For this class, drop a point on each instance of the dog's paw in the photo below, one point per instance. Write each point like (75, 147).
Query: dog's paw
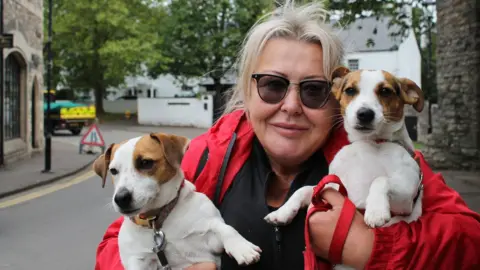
(244, 252)
(282, 216)
(376, 216)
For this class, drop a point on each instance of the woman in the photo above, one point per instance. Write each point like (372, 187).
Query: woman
(277, 135)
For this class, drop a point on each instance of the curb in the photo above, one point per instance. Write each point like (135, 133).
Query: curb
(47, 182)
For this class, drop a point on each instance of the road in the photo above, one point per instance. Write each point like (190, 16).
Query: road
(116, 133)
(59, 227)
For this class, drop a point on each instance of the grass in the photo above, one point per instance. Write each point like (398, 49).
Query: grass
(418, 145)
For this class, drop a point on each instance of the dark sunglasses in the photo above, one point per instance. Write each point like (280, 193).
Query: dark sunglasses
(273, 88)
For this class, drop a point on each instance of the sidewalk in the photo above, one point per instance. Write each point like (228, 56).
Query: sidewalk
(467, 184)
(27, 174)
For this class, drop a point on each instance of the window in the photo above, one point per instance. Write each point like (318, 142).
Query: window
(12, 98)
(187, 88)
(353, 64)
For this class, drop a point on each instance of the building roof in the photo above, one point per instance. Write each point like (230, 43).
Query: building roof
(369, 35)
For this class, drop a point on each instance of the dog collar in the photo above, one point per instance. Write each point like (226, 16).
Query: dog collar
(156, 216)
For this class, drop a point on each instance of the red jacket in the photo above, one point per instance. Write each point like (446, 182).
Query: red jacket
(447, 236)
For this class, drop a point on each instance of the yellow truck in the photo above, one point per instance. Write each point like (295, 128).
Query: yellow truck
(68, 115)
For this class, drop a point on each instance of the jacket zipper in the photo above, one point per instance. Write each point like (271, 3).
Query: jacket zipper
(278, 248)
(278, 234)
(278, 240)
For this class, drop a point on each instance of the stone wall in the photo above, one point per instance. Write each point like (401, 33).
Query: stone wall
(455, 141)
(24, 19)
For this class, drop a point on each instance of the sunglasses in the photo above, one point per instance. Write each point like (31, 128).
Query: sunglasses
(273, 88)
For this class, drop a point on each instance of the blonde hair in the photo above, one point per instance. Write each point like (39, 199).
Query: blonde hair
(305, 23)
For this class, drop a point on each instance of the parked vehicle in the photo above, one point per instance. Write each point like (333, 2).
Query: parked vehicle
(67, 114)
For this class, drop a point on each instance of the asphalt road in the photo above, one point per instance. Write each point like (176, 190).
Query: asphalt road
(118, 133)
(60, 229)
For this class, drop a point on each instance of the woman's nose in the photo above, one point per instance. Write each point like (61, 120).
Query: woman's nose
(292, 103)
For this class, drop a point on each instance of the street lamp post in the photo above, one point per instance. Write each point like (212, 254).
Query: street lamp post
(48, 130)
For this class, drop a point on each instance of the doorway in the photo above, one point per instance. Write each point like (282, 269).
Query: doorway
(411, 124)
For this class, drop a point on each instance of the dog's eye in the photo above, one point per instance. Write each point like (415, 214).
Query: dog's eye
(113, 171)
(145, 164)
(350, 91)
(385, 92)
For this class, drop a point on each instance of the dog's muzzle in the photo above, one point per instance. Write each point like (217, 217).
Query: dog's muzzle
(365, 118)
(123, 198)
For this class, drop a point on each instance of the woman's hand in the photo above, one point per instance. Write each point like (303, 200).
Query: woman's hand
(359, 243)
(202, 266)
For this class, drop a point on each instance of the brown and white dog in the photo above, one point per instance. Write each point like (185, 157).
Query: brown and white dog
(377, 169)
(150, 186)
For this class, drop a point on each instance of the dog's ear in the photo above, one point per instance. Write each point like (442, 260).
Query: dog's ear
(174, 147)
(100, 165)
(337, 77)
(411, 94)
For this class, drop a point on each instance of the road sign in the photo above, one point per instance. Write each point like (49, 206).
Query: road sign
(93, 137)
(6, 41)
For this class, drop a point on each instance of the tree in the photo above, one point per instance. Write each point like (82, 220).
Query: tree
(204, 36)
(96, 44)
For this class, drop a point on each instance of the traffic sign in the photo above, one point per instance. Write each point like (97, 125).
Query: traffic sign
(93, 137)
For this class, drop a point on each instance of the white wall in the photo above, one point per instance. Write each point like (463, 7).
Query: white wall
(409, 60)
(120, 106)
(386, 60)
(188, 112)
(405, 62)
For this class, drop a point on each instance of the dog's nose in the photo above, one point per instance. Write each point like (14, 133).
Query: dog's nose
(365, 115)
(123, 198)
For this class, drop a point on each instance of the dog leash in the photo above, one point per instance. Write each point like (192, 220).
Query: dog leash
(160, 242)
(311, 261)
(156, 223)
(341, 229)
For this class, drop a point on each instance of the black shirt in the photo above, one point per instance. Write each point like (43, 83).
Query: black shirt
(244, 207)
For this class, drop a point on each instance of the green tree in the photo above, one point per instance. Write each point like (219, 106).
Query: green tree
(204, 36)
(96, 44)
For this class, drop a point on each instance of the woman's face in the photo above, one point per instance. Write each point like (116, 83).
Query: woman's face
(290, 131)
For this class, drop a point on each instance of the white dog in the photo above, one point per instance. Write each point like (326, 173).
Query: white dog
(377, 169)
(167, 222)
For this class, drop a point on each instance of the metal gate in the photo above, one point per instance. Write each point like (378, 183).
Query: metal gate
(12, 98)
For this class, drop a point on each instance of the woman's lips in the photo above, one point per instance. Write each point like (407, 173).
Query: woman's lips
(289, 130)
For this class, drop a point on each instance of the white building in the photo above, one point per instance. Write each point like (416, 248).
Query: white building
(161, 87)
(369, 45)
